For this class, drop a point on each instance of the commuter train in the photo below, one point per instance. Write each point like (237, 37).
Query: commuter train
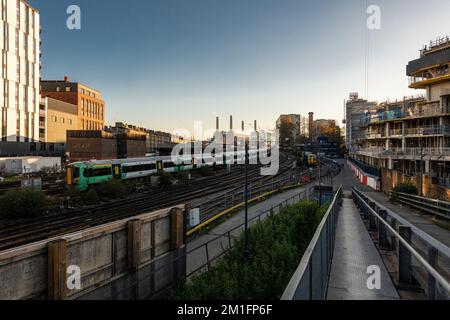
(82, 175)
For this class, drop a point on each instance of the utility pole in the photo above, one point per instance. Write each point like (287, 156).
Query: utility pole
(320, 178)
(246, 253)
(421, 169)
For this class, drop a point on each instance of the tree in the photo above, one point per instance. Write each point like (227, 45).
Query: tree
(23, 203)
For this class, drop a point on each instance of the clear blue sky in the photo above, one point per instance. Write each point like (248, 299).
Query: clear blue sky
(165, 63)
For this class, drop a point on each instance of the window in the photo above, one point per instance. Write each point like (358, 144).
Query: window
(137, 168)
(62, 120)
(17, 96)
(57, 89)
(54, 119)
(97, 172)
(67, 89)
(70, 122)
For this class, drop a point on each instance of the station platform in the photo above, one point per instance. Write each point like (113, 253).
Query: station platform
(354, 252)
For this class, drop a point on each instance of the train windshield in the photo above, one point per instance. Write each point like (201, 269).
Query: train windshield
(76, 172)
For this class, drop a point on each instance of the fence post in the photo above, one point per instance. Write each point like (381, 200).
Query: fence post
(57, 270)
(432, 260)
(207, 255)
(404, 256)
(372, 222)
(382, 234)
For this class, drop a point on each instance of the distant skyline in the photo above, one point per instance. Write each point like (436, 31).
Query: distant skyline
(164, 64)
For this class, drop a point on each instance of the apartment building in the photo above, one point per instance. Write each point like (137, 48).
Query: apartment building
(410, 139)
(356, 109)
(19, 87)
(91, 107)
(289, 126)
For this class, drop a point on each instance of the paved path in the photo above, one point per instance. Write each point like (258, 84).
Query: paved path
(354, 252)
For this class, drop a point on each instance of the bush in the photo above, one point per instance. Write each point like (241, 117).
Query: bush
(206, 171)
(165, 179)
(23, 203)
(407, 188)
(112, 189)
(91, 197)
(182, 176)
(276, 246)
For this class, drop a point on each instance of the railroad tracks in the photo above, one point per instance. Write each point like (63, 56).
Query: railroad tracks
(18, 233)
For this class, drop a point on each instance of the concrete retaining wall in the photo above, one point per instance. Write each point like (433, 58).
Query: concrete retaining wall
(147, 250)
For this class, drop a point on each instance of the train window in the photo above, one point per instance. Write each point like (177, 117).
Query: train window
(137, 168)
(76, 172)
(169, 165)
(91, 173)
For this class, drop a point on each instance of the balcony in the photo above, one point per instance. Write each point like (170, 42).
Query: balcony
(375, 136)
(411, 152)
(427, 131)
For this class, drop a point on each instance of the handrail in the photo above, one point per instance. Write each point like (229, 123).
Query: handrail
(295, 282)
(423, 198)
(435, 274)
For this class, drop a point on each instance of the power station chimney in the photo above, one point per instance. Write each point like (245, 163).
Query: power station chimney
(231, 123)
(243, 126)
(217, 123)
(256, 125)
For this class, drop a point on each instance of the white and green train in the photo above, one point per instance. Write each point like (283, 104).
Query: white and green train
(82, 175)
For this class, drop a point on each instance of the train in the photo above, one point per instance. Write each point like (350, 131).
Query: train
(84, 174)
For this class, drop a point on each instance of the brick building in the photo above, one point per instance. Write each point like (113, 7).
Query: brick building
(91, 107)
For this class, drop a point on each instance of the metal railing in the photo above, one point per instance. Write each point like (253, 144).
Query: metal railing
(310, 280)
(419, 256)
(374, 171)
(436, 207)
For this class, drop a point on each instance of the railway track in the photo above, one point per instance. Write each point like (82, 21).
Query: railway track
(15, 234)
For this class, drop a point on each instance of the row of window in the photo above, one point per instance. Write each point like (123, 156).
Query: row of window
(28, 132)
(17, 95)
(62, 120)
(29, 15)
(91, 125)
(91, 109)
(5, 30)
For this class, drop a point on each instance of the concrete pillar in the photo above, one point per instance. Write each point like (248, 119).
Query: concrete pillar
(57, 270)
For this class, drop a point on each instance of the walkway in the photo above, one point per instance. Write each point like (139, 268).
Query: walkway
(354, 252)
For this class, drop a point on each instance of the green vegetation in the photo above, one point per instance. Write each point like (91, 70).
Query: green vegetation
(206, 171)
(90, 197)
(112, 189)
(23, 203)
(276, 246)
(165, 179)
(407, 188)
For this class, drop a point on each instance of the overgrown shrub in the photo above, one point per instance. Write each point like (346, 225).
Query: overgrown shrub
(206, 171)
(407, 188)
(23, 203)
(90, 197)
(276, 246)
(112, 189)
(165, 179)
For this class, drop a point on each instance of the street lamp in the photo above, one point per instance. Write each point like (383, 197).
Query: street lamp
(246, 253)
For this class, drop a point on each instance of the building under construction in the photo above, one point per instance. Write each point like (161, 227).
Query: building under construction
(409, 140)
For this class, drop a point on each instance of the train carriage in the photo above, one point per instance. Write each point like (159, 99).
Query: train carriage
(83, 174)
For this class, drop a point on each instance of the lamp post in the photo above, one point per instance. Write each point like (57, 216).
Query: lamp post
(246, 253)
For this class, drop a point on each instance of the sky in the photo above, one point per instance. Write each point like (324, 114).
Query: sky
(164, 64)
